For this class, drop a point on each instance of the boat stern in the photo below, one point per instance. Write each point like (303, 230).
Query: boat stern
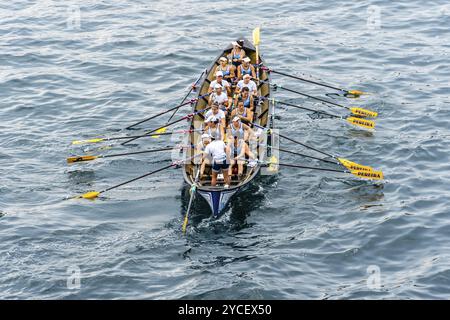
(217, 199)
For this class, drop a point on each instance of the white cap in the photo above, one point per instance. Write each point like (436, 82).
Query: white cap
(246, 59)
(234, 43)
(246, 76)
(217, 86)
(223, 59)
(206, 136)
(236, 118)
(211, 119)
(219, 73)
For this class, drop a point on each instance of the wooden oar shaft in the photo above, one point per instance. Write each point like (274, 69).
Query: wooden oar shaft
(312, 168)
(187, 95)
(303, 79)
(308, 109)
(312, 97)
(303, 155)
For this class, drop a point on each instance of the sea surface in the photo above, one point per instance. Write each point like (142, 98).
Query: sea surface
(78, 69)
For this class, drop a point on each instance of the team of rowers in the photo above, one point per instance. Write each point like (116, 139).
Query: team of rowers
(232, 96)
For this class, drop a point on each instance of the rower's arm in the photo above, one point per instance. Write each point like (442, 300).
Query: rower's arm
(253, 71)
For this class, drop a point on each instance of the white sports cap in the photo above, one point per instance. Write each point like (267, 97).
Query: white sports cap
(246, 59)
(246, 76)
(217, 86)
(219, 73)
(223, 59)
(234, 43)
(206, 136)
(236, 118)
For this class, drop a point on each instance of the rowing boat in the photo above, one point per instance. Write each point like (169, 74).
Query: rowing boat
(218, 196)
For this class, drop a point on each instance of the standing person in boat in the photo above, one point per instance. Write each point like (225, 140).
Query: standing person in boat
(216, 112)
(219, 80)
(215, 128)
(237, 54)
(219, 157)
(228, 70)
(221, 98)
(246, 82)
(245, 114)
(200, 148)
(239, 129)
(246, 68)
(248, 99)
(238, 149)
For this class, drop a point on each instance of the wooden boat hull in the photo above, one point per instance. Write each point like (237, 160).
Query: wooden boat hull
(219, 197)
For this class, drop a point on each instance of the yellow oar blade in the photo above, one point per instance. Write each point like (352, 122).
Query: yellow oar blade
(353, 166)
(256, 39)
(273, 164)
(368, 124)
(356, 92)
(363, 112)
(371, 175)
(185, 222)
(162, 130)
(88, 141)
(81, 158)
(89, 195)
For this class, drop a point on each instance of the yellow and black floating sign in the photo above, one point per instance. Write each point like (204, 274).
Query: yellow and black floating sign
(353, 166)
(372, 175)
(363, 112)
(361, 122)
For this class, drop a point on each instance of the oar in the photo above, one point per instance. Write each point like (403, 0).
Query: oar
(192, 190)
(256, 41)
(91, 157)
(341, 161)
(147, 133)
(355, 93)
(302, 155)
(187, 95)
(166, 111)
(156, 135)
(355, 110)
(94, 194)
(372, 175)
(363, 123)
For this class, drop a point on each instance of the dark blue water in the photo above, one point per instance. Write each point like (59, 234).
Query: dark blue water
(78, 69)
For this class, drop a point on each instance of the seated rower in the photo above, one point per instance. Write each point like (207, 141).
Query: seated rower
(246, 68)
(245, 114)
(221, 98)
(216, 112)
(228, 70)
(246, 82)
(200, 148)
(215, 129)
(249, 101)
(216, 151)
(237, 54)
(219, 80)
(239, 129)
(238, 149)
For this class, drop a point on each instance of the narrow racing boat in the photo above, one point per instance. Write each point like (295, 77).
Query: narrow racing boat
(218, 196)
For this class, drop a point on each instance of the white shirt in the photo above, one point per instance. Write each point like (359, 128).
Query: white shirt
(216, 150)
(225, 84)
(220, 114)
(220, 99)
(251, 85)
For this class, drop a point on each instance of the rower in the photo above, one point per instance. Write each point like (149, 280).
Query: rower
(214, 128)
(247, 98)
(239, 129)
(219, 80)
(238, 149)
(215, 111)
(245, 114)
(228, 70)
(246, 82)
(221, 98)
(246, 68)
(237, 54)
(217, 153)
(200, 148)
